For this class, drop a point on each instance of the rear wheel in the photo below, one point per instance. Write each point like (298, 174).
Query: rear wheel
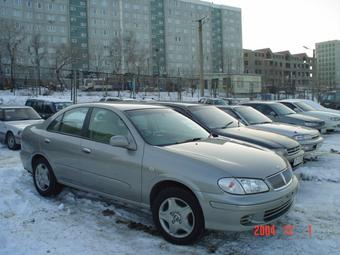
(44, 179)
(178, 216)
(10, 142)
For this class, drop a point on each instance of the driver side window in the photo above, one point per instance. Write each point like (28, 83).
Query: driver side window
(104, 124)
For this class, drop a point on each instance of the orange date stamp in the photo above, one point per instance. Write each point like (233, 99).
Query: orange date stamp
(272, 230)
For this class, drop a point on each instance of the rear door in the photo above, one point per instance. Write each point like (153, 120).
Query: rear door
(61, 144)
(111, 170)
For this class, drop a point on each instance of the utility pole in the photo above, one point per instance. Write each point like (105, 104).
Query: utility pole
(201, 57)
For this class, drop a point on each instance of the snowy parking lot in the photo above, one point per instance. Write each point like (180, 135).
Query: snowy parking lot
(80, 223)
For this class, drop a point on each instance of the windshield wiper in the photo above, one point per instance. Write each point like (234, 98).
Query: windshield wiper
(191, 140)
(226, 125)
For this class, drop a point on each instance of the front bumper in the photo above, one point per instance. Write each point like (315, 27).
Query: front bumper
(311, 146)
(332, 125)
(228, 212)
(296, 159)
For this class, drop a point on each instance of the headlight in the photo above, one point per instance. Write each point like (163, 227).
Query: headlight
(334, 118)
(311, 124)
(281, 152)
(242, 186)
(302, 137)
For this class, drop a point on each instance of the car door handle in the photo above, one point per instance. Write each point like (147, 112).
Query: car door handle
(47, 140)
(86, 150)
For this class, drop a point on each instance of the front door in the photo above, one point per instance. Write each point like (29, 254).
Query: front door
(111, 170)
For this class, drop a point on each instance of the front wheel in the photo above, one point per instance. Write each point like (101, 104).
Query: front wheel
(44, 179)
(178, 216)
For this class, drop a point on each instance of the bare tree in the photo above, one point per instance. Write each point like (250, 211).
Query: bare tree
(38, 51)
(115, 55)
(11, 38)
(65, 56)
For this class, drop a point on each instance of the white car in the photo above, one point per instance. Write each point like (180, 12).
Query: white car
(318, 107)
(13, 120)
(332, 120)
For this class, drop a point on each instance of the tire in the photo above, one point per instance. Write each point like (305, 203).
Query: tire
(44, 179)
(11, 143)
(182, 225)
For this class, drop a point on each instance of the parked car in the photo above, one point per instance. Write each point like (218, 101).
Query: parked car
(46, 108)
(234, 101)
(318, 107)
(110, 99)
(281, 113)
(13, 120)
(156, 158)
(219, 123)
(331, 100)
(309, 138)
(332, 120)
(212, 101)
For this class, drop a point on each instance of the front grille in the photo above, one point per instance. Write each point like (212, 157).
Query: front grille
(246, 220)
(280, 180)
(294, 150)
(272, 214)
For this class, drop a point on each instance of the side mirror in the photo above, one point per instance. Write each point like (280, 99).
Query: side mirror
(273, 114)
(122, 142)
(296, 109)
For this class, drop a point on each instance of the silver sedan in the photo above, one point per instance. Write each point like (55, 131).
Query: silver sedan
(154, 157)
(13, 120)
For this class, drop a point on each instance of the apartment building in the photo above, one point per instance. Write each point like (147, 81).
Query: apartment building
(328, 64)
(280, 71)
(146, 36)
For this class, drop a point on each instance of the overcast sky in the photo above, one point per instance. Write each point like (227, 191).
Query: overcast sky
(287, 24)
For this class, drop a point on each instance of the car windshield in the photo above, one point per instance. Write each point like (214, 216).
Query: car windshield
(213, 117)
(61, 105)
(282, 109)
(161, 127)
(252, 116)
(15, 114)
(305, 107)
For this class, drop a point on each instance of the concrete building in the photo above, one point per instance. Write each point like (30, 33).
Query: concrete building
(328, 64)
(146, 36)
(280, 71)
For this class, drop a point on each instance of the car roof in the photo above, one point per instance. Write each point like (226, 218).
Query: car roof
(260, 102)
(180, 104)
(123, 106)
(51, 100)
(14, 107)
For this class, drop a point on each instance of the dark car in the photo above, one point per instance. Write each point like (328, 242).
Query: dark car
(331, 100)
(281, 113)
(219, 123)
(46, 108)
(309, 138)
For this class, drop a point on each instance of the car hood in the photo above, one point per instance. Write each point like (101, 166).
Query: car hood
(285, 129)
(262, 138)
(22, 124)
(301, 117)
(234, 159)
(321, 115)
